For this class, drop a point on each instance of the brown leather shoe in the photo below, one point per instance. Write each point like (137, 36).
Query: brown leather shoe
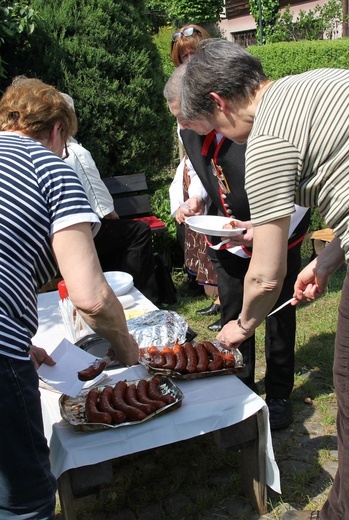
(301, 515)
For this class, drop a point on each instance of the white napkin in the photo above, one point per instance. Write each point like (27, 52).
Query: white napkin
(64, 375)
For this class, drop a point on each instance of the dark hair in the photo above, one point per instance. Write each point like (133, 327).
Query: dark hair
(32, 107)
(222, 67)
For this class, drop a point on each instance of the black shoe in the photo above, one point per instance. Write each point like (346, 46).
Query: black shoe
(213, 309)
(280, 413)
(216, 326)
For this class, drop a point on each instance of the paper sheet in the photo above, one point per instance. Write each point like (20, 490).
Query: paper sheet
(63, 376)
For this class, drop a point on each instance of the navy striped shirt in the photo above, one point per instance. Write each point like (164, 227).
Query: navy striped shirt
(39, 195)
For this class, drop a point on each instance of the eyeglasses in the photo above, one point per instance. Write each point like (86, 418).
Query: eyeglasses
(65, 154)
(222, 181)
(187, 32)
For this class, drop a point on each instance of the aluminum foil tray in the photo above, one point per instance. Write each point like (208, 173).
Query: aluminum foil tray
(73, 408)
(239, 366)
(158, 328)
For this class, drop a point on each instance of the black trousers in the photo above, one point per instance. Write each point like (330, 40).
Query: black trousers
(126, 245)
(280, 329)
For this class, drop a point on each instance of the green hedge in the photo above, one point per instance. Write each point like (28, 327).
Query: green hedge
(102, 54)
(284, 59)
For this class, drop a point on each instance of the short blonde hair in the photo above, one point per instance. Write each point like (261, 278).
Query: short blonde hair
(33, 107)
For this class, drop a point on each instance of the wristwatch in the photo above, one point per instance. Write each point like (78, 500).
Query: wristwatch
(241, 326)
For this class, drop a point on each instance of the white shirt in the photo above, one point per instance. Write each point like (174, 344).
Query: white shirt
(83, 164)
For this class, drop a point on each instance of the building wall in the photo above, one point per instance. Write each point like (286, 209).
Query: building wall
(239, 20)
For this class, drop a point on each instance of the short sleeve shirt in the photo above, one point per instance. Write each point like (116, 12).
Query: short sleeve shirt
(298, 150)
(39, 195)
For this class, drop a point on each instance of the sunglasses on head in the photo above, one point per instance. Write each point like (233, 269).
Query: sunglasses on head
(187, 32)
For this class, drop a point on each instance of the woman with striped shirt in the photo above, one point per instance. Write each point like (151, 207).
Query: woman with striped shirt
(45, 223)
(297, 134)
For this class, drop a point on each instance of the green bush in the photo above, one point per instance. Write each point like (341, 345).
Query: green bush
(100, 52)
(283, 59)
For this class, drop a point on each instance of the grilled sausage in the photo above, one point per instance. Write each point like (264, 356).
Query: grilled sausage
(104, 405)
(202, 356)
(87, 374)
(154, 392)
(228, 360)
(181, 360)
(143, 397)
(192, 359)
(217, 357)
(132, 400)
(118, 400)
(170, 358)
(91, 410)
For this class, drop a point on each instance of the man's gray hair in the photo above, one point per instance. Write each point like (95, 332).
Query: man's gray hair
(224, 68)
(173, 86)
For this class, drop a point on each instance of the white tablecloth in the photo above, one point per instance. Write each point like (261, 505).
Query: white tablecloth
(209, 404)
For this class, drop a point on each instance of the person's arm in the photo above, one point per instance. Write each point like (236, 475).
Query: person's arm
(312, 281)
(263, 281)
(89, 292)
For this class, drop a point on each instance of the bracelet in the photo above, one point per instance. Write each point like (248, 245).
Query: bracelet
(240, 325)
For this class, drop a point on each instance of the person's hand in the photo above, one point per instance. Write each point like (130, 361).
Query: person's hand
(310, 283)
(133, 347)
(40, 356)
(196, 204)
(191, 207)
(245, 238)
(231, 336)
(112, 215)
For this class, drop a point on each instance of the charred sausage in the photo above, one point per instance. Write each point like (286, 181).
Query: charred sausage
(170, 358)
(91, 410)
(132, 400)
(118, 400)
(181, 360)
(202, 356)
(143, 397)
(104, 405)
(87, 374)
(217, 357)
(156, 394)
(192, 359)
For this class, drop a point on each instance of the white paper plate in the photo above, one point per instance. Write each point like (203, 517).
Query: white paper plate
(120, 282)
(212, 225)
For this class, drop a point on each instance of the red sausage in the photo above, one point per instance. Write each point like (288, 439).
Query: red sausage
(91, 410)
(157, 358)
(132, 413)
(142, 395)
(228, 360)
(154, 392)
(217, 357)
(104, 405)
(170, 358)
(192, 359)
(87, 374)
(181, 360)
(132, 400)
(202, 355)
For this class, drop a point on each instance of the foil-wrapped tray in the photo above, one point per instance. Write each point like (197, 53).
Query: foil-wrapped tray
(158, 328)
(239, 366)
(73, 408)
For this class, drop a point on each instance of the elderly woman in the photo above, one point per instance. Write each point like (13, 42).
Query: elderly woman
(45, 222)
(297, 134)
